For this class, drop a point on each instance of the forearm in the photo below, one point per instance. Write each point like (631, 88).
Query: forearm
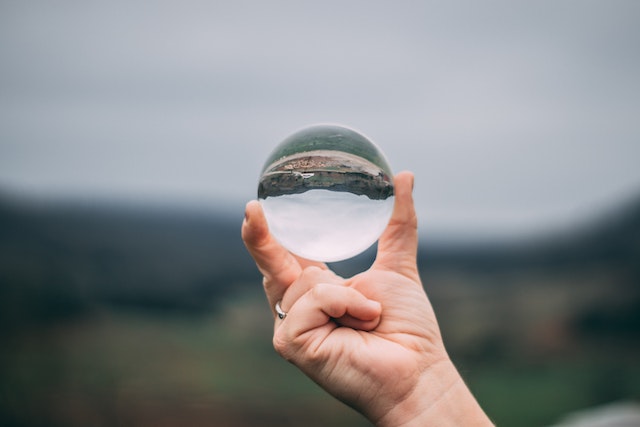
(440, 398)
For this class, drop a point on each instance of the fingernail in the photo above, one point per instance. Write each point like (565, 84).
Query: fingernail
(374, 305)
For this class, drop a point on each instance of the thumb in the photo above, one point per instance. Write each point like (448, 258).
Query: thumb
(398, 245)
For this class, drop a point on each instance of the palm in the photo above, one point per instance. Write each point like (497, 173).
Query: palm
(393, 351)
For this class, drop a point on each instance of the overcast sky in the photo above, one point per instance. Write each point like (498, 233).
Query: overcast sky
(514, 116)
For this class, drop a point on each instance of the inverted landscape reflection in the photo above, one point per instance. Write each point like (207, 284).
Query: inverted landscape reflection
(327, 193)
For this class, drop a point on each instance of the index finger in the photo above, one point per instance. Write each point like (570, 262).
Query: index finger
(278, 266)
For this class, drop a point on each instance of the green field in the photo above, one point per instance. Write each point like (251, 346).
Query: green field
(135, 368)
(132, 368)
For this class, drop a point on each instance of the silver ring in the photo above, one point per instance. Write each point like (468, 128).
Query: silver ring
(281, 314)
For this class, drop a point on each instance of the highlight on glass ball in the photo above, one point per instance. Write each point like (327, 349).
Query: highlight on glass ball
(327, 193)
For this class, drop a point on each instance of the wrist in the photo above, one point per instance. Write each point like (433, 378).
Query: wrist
(440, 398)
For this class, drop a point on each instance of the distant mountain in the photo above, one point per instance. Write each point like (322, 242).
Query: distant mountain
(575, 292)
(61, 260)
(612, 240)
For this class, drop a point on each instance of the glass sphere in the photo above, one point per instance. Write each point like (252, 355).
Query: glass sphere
(327, 193)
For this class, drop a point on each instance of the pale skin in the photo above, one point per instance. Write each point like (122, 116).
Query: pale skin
(371, 340)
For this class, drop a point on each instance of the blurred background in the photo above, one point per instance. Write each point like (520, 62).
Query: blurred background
(132, 133)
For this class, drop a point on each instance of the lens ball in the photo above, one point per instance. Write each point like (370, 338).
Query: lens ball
(327, 193)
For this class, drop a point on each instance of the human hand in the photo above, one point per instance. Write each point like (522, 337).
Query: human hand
(371, 340)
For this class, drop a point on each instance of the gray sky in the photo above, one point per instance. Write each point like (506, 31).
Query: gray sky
(515, 116)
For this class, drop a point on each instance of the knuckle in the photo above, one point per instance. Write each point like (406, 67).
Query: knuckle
(282, 346)
(320, 290)
(314, 356)
(311, 271)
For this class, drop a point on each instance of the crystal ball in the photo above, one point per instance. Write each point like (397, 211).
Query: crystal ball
(326, 192)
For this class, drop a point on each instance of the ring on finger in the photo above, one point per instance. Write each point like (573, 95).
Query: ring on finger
(280, 312)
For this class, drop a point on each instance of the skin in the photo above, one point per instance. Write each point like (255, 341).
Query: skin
(371, 340)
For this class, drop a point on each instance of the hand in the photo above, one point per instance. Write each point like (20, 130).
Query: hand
(371, 340)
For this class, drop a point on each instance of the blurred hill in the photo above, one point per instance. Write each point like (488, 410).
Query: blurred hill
(554, 321)
(551, 296)
(61, 260)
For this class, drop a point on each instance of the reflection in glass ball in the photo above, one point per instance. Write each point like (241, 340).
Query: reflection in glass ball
(327, 193)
